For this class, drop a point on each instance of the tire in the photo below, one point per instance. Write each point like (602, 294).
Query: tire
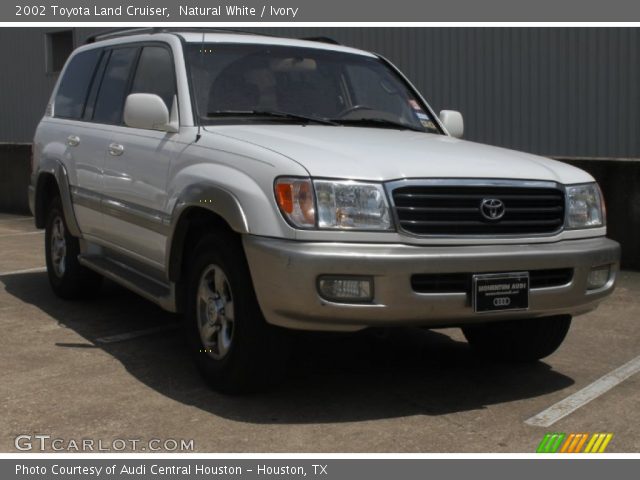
(68, 279)
(235, 350)
(526, 340)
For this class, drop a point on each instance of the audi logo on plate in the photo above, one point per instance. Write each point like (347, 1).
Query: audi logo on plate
(501, 301)
(492, 208)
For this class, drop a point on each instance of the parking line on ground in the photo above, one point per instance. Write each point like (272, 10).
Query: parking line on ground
(573, 402)
(121, 337)
(14, 219)
(19, 234)
(26, 270)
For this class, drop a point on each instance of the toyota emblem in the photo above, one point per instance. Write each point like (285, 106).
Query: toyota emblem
(492, 208)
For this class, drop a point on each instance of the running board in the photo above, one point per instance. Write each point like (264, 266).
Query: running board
(160, 293)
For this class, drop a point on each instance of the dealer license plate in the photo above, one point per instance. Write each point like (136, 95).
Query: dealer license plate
(496, 292)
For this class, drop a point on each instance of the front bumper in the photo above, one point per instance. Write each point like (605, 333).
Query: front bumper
(285, 276)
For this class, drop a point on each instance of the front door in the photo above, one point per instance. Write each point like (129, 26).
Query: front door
(136, 167)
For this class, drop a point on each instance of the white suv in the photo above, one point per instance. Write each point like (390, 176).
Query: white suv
(258, 184)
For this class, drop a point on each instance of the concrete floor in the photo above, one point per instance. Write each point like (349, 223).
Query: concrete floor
(415, 391)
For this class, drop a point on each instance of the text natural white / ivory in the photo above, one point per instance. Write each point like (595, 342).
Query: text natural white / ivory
(236, 11)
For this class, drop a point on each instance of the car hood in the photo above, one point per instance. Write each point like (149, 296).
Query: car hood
(385, 154)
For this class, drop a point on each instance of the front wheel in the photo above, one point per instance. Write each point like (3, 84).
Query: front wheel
(525, 340)
(235, 349)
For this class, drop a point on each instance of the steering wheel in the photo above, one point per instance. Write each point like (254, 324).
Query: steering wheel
(352, 109)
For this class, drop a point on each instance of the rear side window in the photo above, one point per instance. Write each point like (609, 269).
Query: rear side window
(155, 74)
(74, 86)
(93, 91)
(110, 101)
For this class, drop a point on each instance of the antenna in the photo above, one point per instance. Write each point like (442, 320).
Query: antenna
(198, 135)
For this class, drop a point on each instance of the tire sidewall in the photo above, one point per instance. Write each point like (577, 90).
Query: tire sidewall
(77, 282)
(238, 367)
(56, 212)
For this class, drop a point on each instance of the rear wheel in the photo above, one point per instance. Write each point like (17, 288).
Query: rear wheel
(524, 340)
(68, 278)
(235, 350)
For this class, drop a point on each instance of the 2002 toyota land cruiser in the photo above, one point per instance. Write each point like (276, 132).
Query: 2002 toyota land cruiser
(254, 183)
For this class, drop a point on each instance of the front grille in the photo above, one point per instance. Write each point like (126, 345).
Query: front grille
(455, 210)
(553, 277)
(461, 282)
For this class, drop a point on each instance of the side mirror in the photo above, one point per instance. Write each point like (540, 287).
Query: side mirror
(453, 122)
(149, 112)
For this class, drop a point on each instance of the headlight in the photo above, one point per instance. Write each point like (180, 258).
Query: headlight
(346, 204)
(585, 206)
(340, 204)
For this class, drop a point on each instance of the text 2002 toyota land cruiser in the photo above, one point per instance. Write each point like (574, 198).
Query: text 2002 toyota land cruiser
(254, 182)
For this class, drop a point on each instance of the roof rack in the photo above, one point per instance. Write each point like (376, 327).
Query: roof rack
(124, 32)
(321, 40)
(118, 32)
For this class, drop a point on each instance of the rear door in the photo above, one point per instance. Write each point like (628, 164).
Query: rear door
(79, 146)
(101, 114)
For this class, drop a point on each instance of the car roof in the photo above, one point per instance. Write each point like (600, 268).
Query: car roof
(194, 37)
(224, 37)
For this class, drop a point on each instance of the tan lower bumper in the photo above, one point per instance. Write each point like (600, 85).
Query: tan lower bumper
(285, 277)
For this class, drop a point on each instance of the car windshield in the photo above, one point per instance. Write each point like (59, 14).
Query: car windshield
(236, 83)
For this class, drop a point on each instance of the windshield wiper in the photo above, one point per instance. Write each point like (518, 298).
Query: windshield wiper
(270, 113)
(377, 122)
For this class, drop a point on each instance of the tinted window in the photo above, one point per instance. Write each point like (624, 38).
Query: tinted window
(155, 74)
(93, 91)
(373, 86)
(110, 100)
(239, 83)
(72, 92)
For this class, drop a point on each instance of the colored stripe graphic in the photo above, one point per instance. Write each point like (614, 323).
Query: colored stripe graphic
(558, 441)
(576, 443)
(573, 443)
(591, 442)
(551, 442)
(543, 444)
(606, 441)
(581, 443)
(598, 443)
(570, 439)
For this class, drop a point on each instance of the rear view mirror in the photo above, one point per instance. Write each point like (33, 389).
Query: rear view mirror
(453, 122)
(147, 111)
(294, 65)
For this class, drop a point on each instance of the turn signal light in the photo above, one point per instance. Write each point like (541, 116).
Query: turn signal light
(295, 199)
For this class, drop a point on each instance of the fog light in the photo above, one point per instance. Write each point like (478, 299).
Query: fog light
(345, 289)
(598, 277)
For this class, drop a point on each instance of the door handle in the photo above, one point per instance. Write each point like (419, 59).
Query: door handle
(73, 140)
(116, 149)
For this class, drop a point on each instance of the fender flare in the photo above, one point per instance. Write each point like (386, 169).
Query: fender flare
(213, 198)
(55, 168)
